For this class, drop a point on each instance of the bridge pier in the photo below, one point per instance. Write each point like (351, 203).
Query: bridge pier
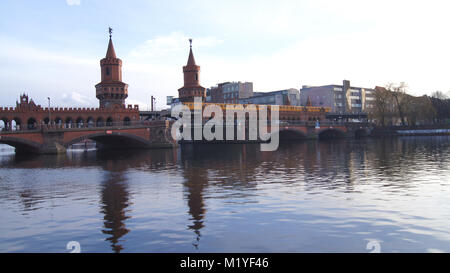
(52, 143)
(52, 148)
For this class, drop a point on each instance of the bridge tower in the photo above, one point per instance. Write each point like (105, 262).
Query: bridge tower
(192, 87)
(111, 91)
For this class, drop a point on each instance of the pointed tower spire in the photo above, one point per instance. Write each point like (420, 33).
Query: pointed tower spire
(192, 87)
(191, 60)
(111, 91)
(110, 53)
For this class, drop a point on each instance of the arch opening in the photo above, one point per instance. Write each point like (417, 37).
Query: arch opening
(58, 122)
(291, 135)
(109, 121)
(21, 145)
(127, 121)
(90, 122)
(68, 122)
(16, 124)
(119, 141)
(100, 122)
(32, 124)
(4, 125)
(80, 122)
(360, 133)
(331, 134)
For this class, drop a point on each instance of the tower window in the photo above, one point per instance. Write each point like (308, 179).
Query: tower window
(196, 76)
(107, 71)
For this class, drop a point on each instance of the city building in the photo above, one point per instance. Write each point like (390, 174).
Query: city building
(215, 93)
(233, 91)
(282, 97)
(230, 92)
(340, 98)
(287, 99)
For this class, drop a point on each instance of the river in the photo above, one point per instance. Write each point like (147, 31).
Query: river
(311, 196)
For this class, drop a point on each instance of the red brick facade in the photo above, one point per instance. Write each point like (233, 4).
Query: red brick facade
(192, 87)
(28, 115)
(111, 92)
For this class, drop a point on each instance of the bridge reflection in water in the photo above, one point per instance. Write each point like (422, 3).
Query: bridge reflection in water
(138, 192)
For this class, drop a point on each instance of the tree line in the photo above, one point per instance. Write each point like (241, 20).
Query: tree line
(394, 106)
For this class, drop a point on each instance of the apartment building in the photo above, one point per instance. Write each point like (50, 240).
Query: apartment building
(341, 98)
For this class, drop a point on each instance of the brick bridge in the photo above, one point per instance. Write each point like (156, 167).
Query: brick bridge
(156, 134)
(323, 130)
(296, 131)
(51, 139)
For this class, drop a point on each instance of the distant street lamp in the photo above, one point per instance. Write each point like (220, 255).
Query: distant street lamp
(153, 100)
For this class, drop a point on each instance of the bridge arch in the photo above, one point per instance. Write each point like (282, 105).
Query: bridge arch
(80, 122)
(291, 134)
(58, 121)
(331, 133)
(100, 122)
(31, 123)
(16, 123)
(127, 121)
(112, 140)
(4, 124)
(21, 145)
(90, 122)
(109, 121)
(361, 132)
(68, 122)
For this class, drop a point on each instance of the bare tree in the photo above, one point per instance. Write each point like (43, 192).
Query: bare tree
(401, 100)
(439, 95)
(420, 110)
(382, 107)
(441, 104)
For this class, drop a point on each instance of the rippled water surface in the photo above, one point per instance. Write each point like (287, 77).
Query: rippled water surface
(313, 196)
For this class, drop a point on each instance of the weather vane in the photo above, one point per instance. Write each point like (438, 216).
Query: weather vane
(110, 32)
(190, 41)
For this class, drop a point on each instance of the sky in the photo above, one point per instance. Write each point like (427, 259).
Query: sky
(52, 48)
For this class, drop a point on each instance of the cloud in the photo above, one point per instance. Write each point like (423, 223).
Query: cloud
(76, 99)
(173, 43)
(73, 2)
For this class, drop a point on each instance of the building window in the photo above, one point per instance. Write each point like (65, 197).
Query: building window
(107, 71)
(196, 76)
